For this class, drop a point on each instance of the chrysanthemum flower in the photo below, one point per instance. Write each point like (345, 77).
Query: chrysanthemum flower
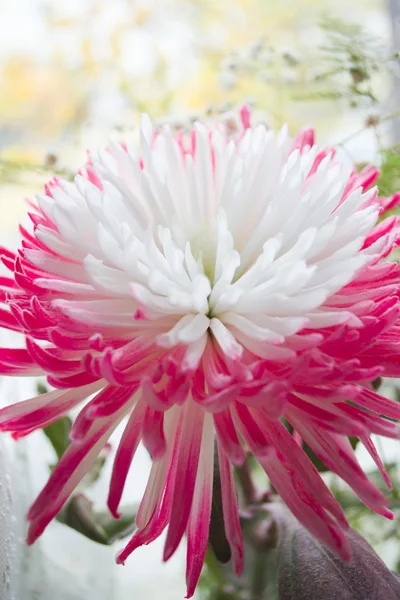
(213, 290)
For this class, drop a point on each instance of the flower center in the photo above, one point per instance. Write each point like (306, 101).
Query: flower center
(202, 247)
(247, 239)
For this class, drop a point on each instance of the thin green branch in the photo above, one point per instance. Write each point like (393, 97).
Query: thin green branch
(21, 166)
(388, 117)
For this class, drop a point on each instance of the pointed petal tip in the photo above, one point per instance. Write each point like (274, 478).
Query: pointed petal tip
(388, 514)
(245, 115)
(32, 535)
(168, 551)
(388, 482)
(113, 510)
(146, 127)
(119, 559)
(156, 453)
(239, 565)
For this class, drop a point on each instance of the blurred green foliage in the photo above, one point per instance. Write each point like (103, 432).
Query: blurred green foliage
(389, 179)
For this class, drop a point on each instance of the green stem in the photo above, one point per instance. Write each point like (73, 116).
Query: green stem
(36, 168)
(245, 479)
(392, 115)
(214, 568)
(258, 582)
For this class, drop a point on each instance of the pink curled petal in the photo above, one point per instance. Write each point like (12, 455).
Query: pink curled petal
(17, 357)
(81, 425)
(332, 417)
(69, 471)
(33, 413)
(372, 422)
(384, 228)
(245, 114)
(163, 476)
(228, 437)
(49, 361)
(217, 402)
(305, 508)
(65, 340)
(304, 139)
(369, 445)
(163, 399)
(110, 399)
(200, 513)
(155, 508)
(186, 477)
(391, 202)
(378, 404)
(153, 433)
(273, 398)
(123, 458)
(9, 321)
(72, 381)
(145, 536)
(294, 458)
(251, 431)
(159, 478)
(336, 452)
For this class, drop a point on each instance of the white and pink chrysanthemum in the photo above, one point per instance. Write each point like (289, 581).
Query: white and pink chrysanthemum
(206, 289)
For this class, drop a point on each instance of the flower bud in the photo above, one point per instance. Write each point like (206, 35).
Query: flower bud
(307, 570)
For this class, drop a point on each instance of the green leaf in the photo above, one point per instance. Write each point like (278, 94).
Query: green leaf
(79, 515)
(100, 527)
(353, 441)
(41, 388)
(93, 474)
(58, 434)
(217, 535)
(117, 529)
(317, 462)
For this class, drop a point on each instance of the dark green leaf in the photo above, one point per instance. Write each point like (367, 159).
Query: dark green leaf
(353, 441)
(117, 529)
(376, 384)
(79, 515)
(99, 527)
(317, 462)
(217, 536)
(41, 388)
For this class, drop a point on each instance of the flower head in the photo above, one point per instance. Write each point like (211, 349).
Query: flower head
(211, 289)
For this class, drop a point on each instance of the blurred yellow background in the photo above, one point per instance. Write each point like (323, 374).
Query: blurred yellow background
(73, 72)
